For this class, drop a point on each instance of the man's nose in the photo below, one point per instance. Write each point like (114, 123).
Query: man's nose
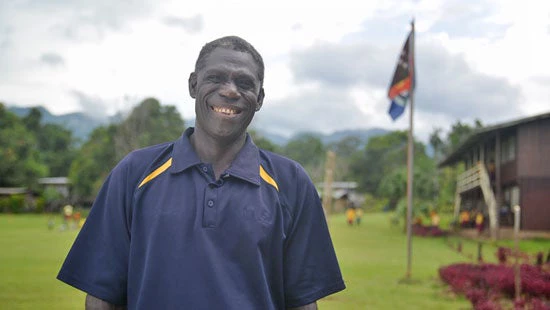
(229, 91)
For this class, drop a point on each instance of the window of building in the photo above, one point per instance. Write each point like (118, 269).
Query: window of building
(508, 149)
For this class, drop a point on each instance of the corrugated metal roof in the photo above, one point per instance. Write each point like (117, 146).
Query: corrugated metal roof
(339, 185)
(485, 132)
(54, 181)
(12, 190)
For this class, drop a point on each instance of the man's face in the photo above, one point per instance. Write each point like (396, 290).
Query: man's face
(227, 93)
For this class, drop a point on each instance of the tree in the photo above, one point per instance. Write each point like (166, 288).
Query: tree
(458, 133)
(19, 156)
(381, 156)
(55, 143)
(346, 146)
(437, 143)
(308, 150)
(57, 149)
(445, 178)
(345, 149)
(381, 169)
(149, 123)
(93, 162)
(262, 142)
(33, 119)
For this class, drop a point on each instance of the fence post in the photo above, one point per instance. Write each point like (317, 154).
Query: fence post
(517, 276)
(479, 254)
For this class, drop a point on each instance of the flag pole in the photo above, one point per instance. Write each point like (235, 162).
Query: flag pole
(410, 157)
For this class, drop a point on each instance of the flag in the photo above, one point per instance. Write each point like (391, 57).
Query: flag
(402, 83)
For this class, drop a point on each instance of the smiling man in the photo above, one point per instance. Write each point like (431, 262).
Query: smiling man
(208, 221)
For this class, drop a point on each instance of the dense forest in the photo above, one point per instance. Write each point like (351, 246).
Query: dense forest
(31, 150)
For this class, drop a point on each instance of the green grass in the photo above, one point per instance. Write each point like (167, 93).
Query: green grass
(531, 246)
(372, 258)
(30, 257)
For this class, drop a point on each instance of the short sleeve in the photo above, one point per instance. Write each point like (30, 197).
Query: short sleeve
(311, 268)
(98, 260)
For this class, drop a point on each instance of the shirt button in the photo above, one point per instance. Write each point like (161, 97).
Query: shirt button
(210, 203)
(205, 169)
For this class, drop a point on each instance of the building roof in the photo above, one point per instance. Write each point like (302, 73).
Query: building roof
(12, 190)
(483, 133)
(54, 181)
(339, 185)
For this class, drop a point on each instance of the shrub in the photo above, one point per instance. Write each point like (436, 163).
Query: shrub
(428, 231)
(40, 203)
(502, 254)
(16, 203)
(4, 204)
(484, 284)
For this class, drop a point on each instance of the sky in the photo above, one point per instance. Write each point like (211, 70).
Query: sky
(328, 64)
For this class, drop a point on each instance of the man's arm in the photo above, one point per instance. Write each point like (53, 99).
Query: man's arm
(312, 306)
(94, 303)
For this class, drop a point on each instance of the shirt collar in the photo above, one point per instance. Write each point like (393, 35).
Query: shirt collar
(184, 155)
(246, 165)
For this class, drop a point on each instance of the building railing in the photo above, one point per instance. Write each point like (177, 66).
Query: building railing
(477, 176)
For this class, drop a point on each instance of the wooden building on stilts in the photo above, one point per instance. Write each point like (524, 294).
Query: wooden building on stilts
(506, 164)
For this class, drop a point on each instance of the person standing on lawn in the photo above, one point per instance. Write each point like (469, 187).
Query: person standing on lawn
(479, 222)
(350, 215)
(208, 221)
(358, 215)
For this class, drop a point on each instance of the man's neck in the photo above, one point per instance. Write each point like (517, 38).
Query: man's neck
(219, 153)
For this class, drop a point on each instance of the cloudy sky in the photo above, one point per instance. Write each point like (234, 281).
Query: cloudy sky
(328, 66)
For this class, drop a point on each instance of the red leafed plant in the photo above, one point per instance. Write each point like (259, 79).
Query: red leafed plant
(428, 231)
(485, 284)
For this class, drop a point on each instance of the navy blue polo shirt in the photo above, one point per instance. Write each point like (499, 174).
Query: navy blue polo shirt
(164, 234)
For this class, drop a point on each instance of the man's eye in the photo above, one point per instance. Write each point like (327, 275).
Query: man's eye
(214, 78)
(245, 84)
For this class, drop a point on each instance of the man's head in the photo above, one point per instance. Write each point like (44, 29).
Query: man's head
(233, 43)
(227, 86)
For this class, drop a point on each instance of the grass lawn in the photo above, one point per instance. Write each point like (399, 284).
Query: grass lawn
(372, 257)
(29, 260)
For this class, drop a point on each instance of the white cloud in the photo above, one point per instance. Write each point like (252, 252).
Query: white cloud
(116, 54)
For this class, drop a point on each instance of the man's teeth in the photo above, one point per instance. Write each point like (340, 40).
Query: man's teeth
(227, 111)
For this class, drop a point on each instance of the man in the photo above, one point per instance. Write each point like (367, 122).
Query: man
(208, 221)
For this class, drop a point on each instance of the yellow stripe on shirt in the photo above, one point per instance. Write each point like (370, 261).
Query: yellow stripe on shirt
(157, 171)
(266, 177)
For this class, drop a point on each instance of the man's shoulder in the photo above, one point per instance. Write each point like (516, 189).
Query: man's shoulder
(141, 161)
(277, 161)
(146, 155)
(283, 169)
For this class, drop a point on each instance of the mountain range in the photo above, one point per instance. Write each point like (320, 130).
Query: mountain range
(81, 125)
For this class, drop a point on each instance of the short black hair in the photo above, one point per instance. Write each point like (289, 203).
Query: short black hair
(233, 43)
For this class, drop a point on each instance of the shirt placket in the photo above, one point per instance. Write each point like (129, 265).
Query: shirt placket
(210, 202)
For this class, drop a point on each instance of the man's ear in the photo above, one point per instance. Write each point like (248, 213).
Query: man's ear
(193, 85)
(261, 96)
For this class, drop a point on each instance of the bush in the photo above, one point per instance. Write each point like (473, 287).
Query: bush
(428, 231)
(52, 198)
(16, 203)
(502, 254)
(484, 284)
(4, 204)
(40, 203)
(373, 204)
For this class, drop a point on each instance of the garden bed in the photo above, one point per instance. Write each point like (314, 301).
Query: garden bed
(492, 286)
(428, 231)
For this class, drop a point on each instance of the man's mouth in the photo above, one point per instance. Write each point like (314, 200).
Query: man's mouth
(225, 111)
